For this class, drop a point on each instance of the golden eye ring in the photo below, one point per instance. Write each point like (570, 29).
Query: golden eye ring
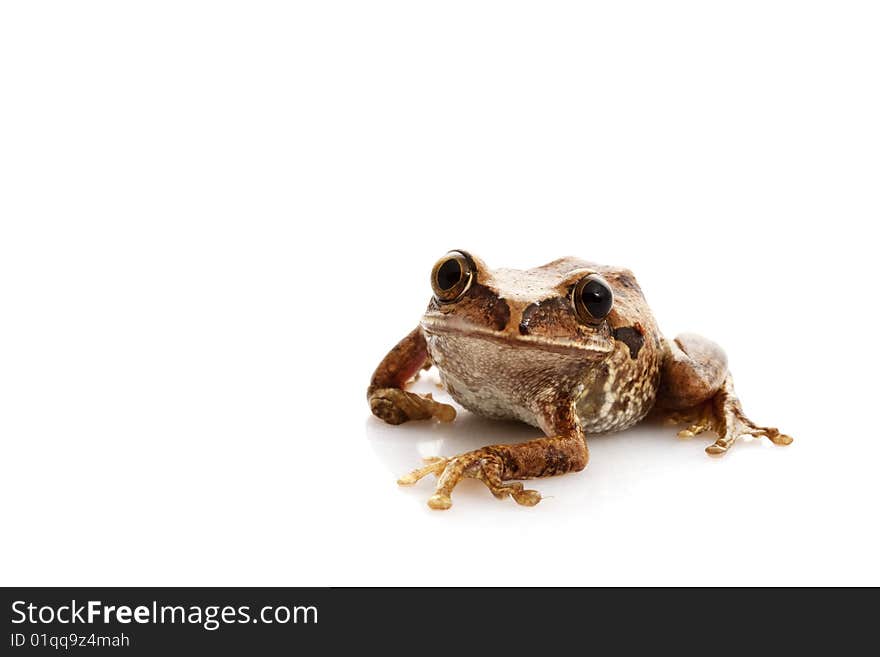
(592, 299)
(452, 276)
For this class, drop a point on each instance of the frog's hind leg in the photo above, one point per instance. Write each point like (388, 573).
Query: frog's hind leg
(696, 387)
(730, 422)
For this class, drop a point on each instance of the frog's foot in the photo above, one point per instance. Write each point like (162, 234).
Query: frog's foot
(699, 419)
(479, 464)
(742, 426)
(396, 406)
(730, 422)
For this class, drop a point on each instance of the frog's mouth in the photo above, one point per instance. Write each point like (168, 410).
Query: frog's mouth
(596, 347)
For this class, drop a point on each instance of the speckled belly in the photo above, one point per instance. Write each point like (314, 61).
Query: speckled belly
(620, 397)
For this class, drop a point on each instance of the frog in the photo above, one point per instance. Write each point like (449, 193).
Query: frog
(570, 348)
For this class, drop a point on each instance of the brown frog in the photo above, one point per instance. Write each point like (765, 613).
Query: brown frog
(571, 348)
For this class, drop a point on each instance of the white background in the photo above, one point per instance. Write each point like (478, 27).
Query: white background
(218, 217)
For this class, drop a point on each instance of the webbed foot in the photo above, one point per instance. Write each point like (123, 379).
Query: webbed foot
(723, 415)
(479, 464)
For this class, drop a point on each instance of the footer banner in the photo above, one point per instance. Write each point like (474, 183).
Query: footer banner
(170, 621)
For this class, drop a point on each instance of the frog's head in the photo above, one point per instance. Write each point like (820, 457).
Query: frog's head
(567, 305)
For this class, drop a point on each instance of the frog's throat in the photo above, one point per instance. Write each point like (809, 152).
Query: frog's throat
(590, 349)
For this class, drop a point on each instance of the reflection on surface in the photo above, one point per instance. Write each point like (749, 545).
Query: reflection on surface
(402, 448)
(619, 464)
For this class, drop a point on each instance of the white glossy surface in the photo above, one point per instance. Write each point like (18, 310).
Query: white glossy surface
(214, 222)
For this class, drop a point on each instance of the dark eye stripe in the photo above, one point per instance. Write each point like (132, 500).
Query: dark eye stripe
(631, 337)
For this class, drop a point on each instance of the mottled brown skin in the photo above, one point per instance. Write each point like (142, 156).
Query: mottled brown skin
(516, 345)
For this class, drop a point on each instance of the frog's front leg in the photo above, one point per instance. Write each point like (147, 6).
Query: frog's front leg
(388, 399)
(695, 384)
(564, 451)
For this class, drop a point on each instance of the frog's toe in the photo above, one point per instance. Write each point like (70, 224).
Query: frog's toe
(439, 411)
(439, 502)
(520, 495)
(719, 447)
(699, 419)
(492, 478)
(693, 430)
(479, 465)
(773, 435)
(433, 465)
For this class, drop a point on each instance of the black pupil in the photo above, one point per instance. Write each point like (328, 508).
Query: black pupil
(449, 274)
(597, 299)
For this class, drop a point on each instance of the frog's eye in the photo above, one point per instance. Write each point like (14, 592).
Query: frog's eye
(452, 276)
(592, 299)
